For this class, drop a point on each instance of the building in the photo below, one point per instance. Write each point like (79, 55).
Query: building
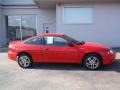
(88, 20)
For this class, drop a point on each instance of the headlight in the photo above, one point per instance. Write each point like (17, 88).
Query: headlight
(110, 51)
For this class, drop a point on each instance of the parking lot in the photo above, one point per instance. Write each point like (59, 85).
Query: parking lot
(57, 76)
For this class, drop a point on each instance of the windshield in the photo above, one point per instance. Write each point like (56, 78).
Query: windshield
(72, 39)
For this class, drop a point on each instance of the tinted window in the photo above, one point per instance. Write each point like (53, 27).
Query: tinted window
(56, 41)
(35, 41)
(72, 39)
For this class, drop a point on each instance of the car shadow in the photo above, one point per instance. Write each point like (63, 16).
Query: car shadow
(75, 67)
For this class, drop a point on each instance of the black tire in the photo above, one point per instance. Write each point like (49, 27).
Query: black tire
(24, 60)
(92, 62)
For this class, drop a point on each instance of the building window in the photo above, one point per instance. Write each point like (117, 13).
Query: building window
(78, 15)
(20, 27)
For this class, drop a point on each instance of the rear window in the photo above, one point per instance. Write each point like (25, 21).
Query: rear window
(35, 41)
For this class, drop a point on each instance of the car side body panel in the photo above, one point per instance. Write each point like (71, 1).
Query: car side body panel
(60, 54)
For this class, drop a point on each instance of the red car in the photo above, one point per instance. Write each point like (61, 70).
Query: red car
(59, 48)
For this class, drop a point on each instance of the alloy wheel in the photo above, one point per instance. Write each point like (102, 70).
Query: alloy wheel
(92, 62)
(24, 61)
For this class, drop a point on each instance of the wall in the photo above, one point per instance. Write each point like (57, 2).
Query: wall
(17, 2)
(2, 29)
(25, 7)
(0, 25)
(0, 1)
(105, 28)
(43, 15)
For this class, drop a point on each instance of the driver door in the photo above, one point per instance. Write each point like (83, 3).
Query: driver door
(57, 50)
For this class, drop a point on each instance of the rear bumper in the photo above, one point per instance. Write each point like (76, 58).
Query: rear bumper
(12, 55)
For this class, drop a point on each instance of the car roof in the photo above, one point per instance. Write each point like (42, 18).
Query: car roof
(45, 34)
(51, 34)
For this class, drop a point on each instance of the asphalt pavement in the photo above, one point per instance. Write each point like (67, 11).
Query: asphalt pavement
(57, 76)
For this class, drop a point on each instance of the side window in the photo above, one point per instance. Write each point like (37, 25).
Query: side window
(55, 41)
(35, 41)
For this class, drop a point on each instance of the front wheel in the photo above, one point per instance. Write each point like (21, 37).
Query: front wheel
(92, 61)
(24, 61)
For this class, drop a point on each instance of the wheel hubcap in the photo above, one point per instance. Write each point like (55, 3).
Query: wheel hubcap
(24, 61)
(92, 62)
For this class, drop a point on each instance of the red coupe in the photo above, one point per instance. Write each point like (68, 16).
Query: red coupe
(59, 48)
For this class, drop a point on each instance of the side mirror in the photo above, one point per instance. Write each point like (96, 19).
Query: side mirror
(70, 44)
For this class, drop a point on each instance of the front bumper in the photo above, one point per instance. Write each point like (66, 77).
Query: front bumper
(12, 55)
(109, 58)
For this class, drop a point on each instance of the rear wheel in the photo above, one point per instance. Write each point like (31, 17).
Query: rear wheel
(92, 61)
(24, 61)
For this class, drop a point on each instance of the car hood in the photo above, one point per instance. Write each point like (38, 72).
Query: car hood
(94, 45)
